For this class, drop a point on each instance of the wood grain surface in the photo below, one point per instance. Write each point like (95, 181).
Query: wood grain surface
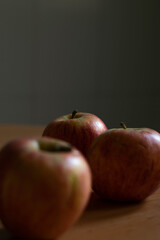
(101, 220)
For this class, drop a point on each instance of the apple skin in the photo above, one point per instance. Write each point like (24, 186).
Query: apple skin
(45, 185)
(125, 164)
(80, 130)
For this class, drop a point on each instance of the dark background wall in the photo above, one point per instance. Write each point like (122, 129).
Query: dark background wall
(95, 56)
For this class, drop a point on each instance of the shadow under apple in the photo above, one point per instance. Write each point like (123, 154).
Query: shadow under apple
(4, 235)
(99, 209)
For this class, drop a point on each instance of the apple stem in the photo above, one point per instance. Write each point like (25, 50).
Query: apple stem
(123, 125)
(73, 114)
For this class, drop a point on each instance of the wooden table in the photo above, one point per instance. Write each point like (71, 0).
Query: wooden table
(101, 220)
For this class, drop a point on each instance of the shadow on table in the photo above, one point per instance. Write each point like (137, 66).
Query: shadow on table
(4, 235)
(99, 209)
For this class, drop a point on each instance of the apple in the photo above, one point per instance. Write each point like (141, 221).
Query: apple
(125, 163)
(79, 129)
(45, 185)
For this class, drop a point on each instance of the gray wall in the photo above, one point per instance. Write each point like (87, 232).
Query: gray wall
(95, 56)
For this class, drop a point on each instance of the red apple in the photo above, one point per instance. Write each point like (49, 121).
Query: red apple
(125, 163)
(79, 129)
(44, 187)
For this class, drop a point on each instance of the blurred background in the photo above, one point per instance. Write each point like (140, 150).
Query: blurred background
(96, 56)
